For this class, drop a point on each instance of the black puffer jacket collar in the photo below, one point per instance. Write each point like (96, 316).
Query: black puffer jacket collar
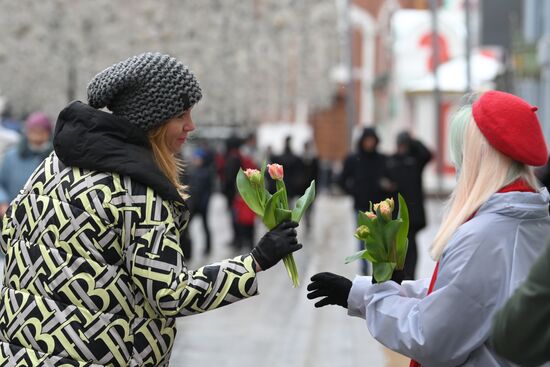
(92, 139)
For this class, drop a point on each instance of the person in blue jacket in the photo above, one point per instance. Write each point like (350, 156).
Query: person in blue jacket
(20, 161)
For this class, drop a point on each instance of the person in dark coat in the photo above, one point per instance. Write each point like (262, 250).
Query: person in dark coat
(231, 165)
(201, 184)
(310, 173)
(405, 168)
(365, 175)
(294, 169)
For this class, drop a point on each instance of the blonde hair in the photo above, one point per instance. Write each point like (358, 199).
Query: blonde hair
(169, 164)
(482, 172)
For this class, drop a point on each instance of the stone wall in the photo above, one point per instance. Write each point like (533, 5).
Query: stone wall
(254, 58)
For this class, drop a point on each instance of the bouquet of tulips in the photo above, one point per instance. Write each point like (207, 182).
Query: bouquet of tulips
(385, 238)
(273, 208)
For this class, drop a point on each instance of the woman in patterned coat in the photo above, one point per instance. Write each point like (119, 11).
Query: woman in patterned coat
(94, 268)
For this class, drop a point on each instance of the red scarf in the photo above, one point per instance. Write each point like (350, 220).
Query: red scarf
(518, 185)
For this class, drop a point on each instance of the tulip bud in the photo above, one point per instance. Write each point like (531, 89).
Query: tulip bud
(362, 232)
(371, 215)
(391, 203)
(254, 176)
(275, 171)
(375, 208)
(385, 210)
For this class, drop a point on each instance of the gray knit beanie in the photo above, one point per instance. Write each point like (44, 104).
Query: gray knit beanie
(147, 89)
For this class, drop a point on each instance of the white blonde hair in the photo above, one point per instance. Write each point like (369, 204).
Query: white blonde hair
(482, 172)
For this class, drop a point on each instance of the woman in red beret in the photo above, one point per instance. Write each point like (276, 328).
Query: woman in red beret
(494, 229)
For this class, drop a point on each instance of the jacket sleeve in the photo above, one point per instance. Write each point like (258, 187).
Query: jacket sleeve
(154, 260)
(346, 177)
(443, 328)
(415, 288)
(521, 329)
(421, 152)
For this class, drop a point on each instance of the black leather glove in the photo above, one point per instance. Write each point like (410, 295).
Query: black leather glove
(276, 244)
(333, 287)
(398, 276)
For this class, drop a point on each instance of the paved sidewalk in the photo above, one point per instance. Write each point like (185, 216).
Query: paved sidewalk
(280, 327)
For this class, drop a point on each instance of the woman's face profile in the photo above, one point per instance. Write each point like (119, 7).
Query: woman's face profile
(177, 130)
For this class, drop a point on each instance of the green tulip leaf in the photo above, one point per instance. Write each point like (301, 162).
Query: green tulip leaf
(251, 195)
(272, 204)
(304, 202)
(376, 238)
(280, 185)
(402, 242)
(391, 229)
(265, 194)
(383, 271)
(363, 254)
(362, 218)
(282, 215)
(376, 250)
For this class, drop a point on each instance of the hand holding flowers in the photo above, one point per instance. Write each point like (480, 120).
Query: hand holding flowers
(273, 208)
(385, 239)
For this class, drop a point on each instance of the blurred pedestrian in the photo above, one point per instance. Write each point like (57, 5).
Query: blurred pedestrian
(95, 273)
(521, 329)
(9, 121)
(365, 176)
(293, 167)
(249, 148)
(20, 161)
(232, 162)
(405, 170)
(201, 185)
(8, 136)
(310, 164)
(493, 232)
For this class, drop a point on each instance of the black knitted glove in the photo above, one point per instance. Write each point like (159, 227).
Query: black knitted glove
(276, 244)
(333, 287)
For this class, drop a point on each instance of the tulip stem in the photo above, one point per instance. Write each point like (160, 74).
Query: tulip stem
(292, 270)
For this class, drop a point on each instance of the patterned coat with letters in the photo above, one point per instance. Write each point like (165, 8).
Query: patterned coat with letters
(94, 272)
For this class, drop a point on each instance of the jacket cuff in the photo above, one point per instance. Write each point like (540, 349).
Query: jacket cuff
(250, 258)
(356, 298)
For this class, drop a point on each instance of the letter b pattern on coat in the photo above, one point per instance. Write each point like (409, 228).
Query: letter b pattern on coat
(95, 273)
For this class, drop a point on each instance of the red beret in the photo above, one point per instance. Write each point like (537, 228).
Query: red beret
(511, 126)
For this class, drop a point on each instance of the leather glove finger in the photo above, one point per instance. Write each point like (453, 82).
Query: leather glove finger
(323, 302)
(314, 286)
(287, 224)
(293, 247)
(317, 293)
(321, 277)
(293, 240)
(291, 233)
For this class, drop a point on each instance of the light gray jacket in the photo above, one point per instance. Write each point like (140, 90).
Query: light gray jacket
(485, 260)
